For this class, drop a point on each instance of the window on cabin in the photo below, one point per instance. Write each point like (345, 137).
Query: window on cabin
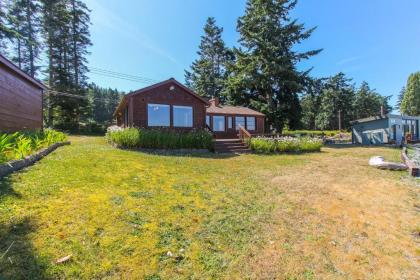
(230, 123)
(218, 123)
(183, 116)
(158, 115)
(250, 123)
(208, 120)
(239, 121)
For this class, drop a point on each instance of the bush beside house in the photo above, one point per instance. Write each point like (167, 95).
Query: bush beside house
(285, 144)
(159, 139)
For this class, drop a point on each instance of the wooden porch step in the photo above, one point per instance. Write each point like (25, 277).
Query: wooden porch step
(230, 146)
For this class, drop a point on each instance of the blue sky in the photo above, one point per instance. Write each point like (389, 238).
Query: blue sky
(375, 40)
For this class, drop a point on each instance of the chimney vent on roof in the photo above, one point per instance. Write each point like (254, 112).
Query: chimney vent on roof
(215, 101)
(382, 111)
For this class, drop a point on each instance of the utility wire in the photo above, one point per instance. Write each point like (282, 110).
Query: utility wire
(122, 75)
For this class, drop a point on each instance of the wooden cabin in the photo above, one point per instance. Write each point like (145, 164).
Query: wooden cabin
(225, 120)
(168, 104)
(20, 99)
(171, 105)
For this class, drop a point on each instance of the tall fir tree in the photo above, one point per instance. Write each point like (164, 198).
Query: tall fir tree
(25, 26)
(410, 104)
(336, 103)
(66, 29)
(265, 76)
(208, 73)
(311, 102)
(368, 102)
(4, 29)
(400, 98)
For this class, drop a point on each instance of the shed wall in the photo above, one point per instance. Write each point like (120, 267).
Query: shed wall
(367, 133)
(20, 103)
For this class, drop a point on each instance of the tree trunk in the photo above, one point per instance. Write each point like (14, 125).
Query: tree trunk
(30, 40)
(75, 56)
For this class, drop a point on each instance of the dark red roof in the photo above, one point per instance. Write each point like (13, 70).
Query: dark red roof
(21, 73)
(232, 110)
(169, 81)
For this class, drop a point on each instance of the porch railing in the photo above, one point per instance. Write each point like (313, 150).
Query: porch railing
(244, 135)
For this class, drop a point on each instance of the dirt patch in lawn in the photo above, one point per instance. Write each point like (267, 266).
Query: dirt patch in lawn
(337, 218)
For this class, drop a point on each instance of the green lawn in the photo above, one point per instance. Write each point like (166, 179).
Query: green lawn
(131, 215)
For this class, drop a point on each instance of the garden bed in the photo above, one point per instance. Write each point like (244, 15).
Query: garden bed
(285, 145)
(15, 165)
(155, 139)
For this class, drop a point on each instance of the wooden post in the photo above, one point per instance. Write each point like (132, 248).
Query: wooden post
(339, 120)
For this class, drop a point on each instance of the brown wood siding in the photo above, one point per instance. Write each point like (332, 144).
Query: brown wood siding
(20, 103)
(163, 95)
(233, 133)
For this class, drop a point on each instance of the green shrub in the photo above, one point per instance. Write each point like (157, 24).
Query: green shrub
(21, 144)
(285, 144)
(127, 138)
(312, 133)
(159, 139)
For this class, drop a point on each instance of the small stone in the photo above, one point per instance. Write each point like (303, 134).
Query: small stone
(169, 254)
(63, 259)
(182, 250)
(333, 243)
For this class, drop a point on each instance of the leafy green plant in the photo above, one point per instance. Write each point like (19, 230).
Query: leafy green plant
(159, 139)
(313, 133)
(5, 145)
(21, 144)
(285, 144)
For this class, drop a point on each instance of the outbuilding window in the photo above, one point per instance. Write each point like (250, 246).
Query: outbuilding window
(183, 116)
(158, 115)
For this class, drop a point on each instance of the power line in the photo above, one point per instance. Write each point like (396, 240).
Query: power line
(118, 75)
(122, 75)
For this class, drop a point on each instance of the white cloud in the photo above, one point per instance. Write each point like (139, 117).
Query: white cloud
(348, 60)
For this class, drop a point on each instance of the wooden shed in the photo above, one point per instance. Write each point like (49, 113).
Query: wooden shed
(20, 99)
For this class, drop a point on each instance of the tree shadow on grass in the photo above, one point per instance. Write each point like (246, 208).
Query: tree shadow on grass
(175, 153)
(18, 259)
(352, 146)
(6, 188)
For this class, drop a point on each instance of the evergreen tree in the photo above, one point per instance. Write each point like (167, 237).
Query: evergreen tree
(208, 73)
(368, 103)
(4, 30)
(265, 76)
(410, 104)
(400, 98)
(311, 102)
(25, 25)
(336, 103)
(103, 102)
(66, 31)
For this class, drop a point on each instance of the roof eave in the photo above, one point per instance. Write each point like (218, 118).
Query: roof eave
(21, 73)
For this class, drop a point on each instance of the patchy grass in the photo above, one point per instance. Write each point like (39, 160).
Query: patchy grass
(126, 214)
